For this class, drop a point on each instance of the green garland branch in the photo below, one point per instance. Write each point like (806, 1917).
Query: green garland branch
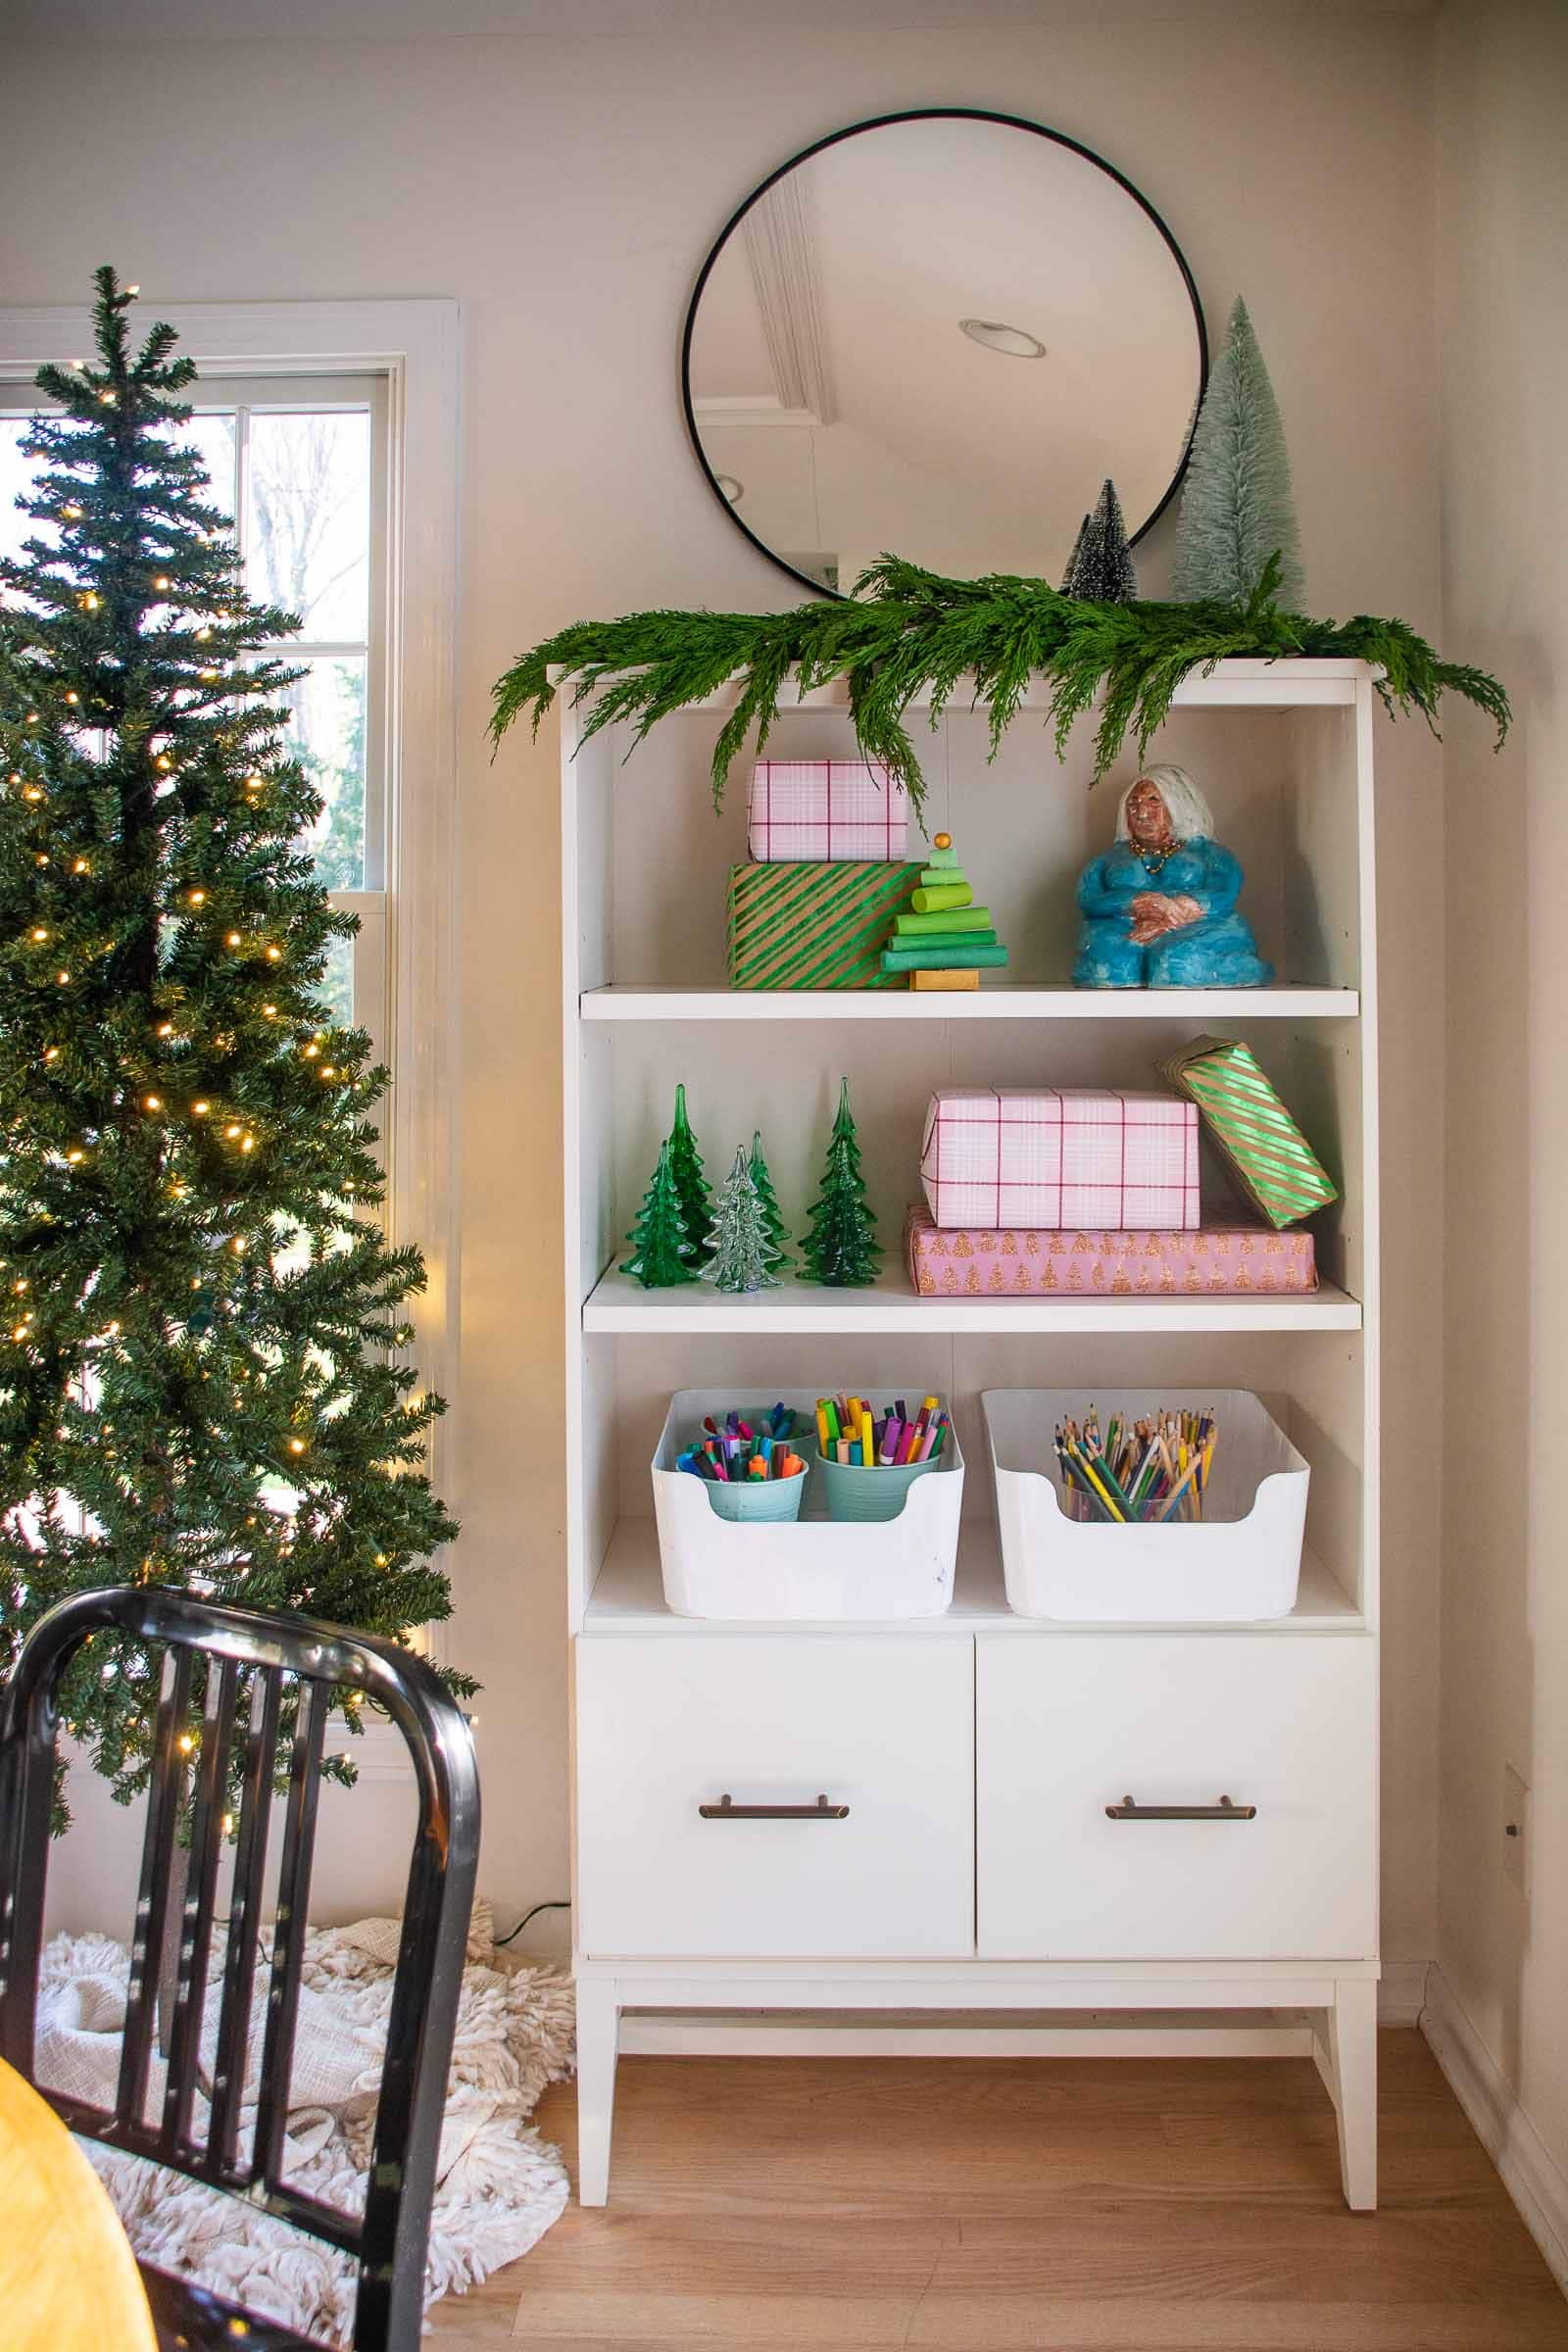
(908, 633)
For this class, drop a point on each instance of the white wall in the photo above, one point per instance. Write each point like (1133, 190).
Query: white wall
(565, 190)
(1503, 207)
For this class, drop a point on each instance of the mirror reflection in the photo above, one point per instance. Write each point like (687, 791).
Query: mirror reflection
(938, 336)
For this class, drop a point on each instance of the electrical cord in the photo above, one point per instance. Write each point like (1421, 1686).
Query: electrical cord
(528, 1915)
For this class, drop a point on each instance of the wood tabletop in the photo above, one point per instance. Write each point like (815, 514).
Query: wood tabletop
(69, 2280)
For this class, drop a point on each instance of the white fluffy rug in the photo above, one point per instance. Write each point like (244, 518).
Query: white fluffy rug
(499, 2186)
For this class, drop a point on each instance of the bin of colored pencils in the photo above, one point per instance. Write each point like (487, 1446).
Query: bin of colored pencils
(1137, 1507)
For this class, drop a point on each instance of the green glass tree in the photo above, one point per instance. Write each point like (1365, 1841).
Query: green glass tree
(1101, 568)
(840, 1248)
(664, 1252)
(202, 1376)
(691, 1185)
(1236, 507)
(738, 1244)
(773, 1216)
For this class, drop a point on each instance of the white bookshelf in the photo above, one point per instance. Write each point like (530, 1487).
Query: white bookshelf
(1284, 752)
(618, 1302)
(996, 1004)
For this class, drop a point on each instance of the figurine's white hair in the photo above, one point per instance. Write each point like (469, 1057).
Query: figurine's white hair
(1185, 805)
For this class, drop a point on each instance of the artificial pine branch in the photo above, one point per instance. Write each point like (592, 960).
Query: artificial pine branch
(202, 1378)
(908, 633)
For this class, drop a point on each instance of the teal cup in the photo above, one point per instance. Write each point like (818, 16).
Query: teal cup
(759, 1498)
(856, 1493)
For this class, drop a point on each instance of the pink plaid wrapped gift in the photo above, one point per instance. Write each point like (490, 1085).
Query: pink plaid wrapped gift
(817, 809)
(1011, 1155)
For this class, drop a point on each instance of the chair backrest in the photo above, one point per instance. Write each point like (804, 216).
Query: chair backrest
(283, 1671)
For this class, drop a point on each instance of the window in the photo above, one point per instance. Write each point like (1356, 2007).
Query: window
(300, 465)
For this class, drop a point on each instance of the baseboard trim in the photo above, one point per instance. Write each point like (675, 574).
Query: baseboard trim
(1529, 2171)
(1402, 1992)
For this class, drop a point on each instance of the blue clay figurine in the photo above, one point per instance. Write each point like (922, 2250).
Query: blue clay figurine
(1159, 909)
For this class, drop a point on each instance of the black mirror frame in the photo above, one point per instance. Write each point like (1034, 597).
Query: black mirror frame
(927, 114)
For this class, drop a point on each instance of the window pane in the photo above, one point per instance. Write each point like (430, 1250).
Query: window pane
(213, 437)
(326, 735)
(308, 518)
(337, 986)
(16, 475)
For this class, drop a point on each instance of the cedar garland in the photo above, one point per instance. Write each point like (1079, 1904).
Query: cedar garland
(907, 632)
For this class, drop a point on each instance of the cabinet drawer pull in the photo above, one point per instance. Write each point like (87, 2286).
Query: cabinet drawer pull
(727, 1809)
(1128, 1810)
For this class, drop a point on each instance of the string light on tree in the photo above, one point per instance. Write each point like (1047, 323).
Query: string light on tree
(140, 1185)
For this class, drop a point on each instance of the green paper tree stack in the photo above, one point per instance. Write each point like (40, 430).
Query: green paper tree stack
(943, 939)
(841, 1248)
(692, 1188)
(202, 1376)
(1236, 507)
(738, 1244)
(1101, 571)
(664, 1251)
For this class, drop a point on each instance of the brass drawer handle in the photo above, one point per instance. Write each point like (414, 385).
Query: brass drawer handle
(1127, 1810)
(727, 1809)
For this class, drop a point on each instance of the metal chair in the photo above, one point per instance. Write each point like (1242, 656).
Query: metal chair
(284, 1667)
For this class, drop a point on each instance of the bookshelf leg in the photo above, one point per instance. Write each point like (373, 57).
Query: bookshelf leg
(1353, 2039)
(597, 2037)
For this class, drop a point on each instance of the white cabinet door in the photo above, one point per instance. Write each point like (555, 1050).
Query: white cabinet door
(882, 1727)
(1071, 1726)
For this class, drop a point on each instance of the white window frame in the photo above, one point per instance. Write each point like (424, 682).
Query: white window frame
(413, 345)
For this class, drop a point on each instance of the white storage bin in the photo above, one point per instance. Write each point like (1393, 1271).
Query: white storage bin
(1239, 1566)
(812, 1567)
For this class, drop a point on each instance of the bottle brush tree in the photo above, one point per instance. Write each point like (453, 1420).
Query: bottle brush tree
(202, 1376)
(1101, 571)
(1237, 508)
(840, 1248)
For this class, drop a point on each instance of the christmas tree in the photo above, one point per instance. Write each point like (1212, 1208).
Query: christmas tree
(691, 1185)
(739, 1243)
(180, 1401)
(665, 1253)
(1072, 559)
(1101, 568)
(841, 1247)
(1237, 508)
(773, 1216)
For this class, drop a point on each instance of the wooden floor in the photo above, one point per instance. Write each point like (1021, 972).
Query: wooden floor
(1086, 2205)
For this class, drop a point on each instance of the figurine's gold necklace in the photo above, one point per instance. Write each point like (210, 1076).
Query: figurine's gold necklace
(1157, 860)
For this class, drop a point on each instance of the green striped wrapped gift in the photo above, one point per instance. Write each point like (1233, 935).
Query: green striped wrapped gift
(815, 927)
(1272, 1158)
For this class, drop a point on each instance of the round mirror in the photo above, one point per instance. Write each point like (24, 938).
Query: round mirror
(937, 334)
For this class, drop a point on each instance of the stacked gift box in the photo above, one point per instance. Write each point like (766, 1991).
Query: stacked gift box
(1035, 1192)
(828, 874)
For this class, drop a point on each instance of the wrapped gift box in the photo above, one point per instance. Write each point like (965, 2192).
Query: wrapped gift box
(837, 809)
(995, 1157)
(1027, 1262)
(815, 927)
(1272, 1160)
